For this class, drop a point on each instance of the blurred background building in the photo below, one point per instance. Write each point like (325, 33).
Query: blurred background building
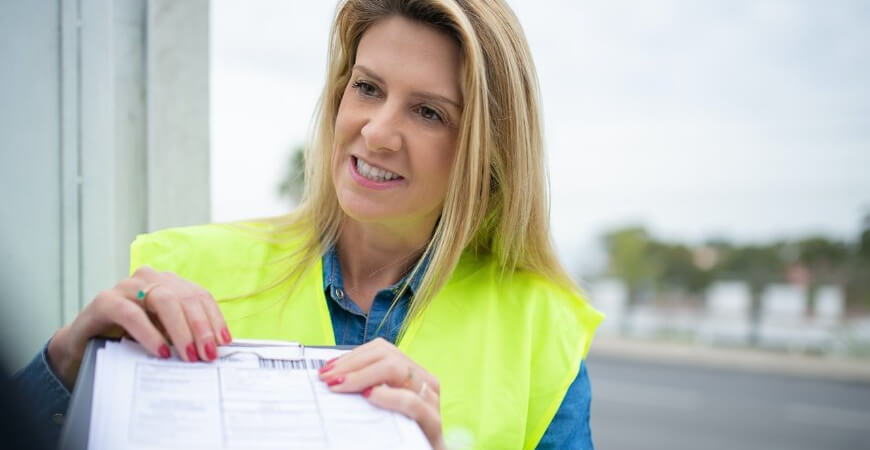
(708, 167)
(104, 134)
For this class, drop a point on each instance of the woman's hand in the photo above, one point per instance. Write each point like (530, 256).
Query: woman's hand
(390, 380)
(173, 312)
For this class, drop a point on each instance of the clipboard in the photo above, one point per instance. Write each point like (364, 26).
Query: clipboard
(76, 429)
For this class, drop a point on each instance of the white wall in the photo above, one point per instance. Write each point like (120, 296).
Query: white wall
(103, 135)
(30, 225)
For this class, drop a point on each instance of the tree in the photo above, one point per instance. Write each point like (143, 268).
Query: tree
(864, 240)
(293, 182)
(628, 259)
(858, 286)
(827, 260)
(644, 263)
(677, 269)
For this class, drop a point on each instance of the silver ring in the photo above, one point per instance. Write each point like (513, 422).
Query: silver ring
(423, 390)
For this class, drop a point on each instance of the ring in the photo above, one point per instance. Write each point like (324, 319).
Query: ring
(423, 390)
(144, 292)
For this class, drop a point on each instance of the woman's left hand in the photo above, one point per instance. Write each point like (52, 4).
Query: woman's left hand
(390, 380)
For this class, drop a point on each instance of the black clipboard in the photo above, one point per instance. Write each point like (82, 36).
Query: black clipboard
(77, 427)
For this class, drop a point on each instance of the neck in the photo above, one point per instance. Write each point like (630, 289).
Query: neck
(374, 256)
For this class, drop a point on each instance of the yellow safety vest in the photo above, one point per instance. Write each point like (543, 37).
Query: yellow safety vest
(505, 349)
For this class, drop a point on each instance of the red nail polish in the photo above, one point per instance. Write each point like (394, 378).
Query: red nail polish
(191, 352)
(163, 351)
(326, 367)
(225, 333)
(210, 351)
(335, 381)
(367, 392)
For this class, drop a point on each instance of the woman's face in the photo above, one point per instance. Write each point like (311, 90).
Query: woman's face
(396, 128)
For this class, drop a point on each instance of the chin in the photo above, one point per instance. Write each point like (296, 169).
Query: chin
(363, 209)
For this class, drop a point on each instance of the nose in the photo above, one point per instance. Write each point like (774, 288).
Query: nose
(382, 130)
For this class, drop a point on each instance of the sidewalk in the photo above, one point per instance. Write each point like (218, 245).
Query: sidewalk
(749, 360)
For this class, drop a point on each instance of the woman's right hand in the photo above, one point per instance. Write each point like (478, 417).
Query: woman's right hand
(174, 312)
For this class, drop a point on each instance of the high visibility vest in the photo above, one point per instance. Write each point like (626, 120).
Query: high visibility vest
(504, 348)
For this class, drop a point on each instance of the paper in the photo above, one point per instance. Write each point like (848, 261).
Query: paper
(253, 396)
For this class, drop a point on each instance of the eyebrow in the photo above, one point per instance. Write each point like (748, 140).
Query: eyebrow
(426, 95)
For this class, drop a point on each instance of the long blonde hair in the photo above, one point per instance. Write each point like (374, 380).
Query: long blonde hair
(497, 200)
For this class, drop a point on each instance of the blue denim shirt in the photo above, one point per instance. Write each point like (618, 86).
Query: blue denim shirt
(569, 428)
(47, 395)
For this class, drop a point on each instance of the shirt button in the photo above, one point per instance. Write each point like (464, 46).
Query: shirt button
(339, 293)
(57, 418)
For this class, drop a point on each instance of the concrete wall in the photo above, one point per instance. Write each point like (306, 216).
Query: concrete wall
(103, 135)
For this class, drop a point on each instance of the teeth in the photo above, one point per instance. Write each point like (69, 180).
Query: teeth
(374, 173)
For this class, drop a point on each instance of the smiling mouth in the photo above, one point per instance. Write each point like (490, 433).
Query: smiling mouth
(372, 173)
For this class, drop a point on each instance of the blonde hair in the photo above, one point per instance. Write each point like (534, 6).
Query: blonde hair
(497, 198)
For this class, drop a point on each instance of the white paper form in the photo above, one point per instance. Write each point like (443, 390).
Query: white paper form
(252, 397)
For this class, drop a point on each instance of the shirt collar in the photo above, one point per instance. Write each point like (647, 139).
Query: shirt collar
(332, 276)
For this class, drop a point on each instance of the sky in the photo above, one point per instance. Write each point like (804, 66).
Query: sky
(740, 119)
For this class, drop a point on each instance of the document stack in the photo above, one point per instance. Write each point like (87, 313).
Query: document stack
(257, 394)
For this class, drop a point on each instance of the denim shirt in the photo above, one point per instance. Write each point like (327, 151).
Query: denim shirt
(47, 395)
(568, 429)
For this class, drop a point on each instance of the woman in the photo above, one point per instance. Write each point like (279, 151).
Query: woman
(423, 236)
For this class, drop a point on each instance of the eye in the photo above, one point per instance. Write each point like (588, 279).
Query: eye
(365, 88)
(430, 114)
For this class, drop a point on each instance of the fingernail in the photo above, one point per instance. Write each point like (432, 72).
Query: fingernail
(335, 381)
(191, 352)
(163, 351)
(367, 391)
(326, 367)
(225, 333)
(210, 351)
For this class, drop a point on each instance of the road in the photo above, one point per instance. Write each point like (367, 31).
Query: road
(643, 405)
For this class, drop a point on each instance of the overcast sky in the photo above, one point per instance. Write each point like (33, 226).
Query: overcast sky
(748, 120)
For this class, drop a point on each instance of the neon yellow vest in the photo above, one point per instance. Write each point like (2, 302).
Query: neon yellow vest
(505, 349)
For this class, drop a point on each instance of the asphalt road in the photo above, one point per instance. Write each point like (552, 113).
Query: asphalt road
(641, 405)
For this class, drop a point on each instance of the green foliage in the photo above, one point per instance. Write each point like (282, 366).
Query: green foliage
(864, 241)
(643, 262)
(756, 264)
(294, 181)
(628, 249)
(678, 267)
(858, 285)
